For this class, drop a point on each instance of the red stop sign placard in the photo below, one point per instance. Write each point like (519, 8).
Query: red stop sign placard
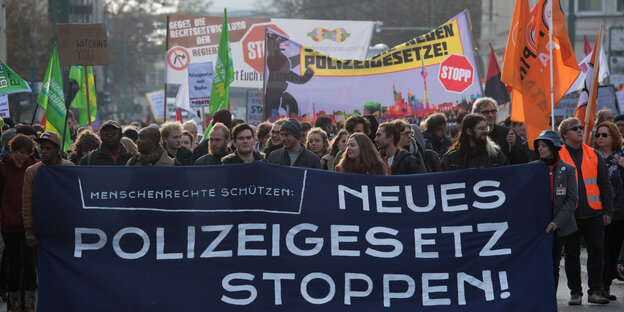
(456, 73)
(253, 45)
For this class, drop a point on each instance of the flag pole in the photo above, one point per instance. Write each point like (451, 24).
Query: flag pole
(86, 75)
(552, 87)
(590, 99)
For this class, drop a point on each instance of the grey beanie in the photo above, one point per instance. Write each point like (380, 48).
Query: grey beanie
(293, 127)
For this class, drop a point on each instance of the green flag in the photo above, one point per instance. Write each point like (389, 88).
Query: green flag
(52, 100)
(10, 82)
(223, 75)
(77, 74)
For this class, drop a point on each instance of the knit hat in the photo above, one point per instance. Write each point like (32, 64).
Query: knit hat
(293, 127)
(26, 130)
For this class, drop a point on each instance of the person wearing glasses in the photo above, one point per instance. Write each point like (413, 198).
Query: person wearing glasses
(593, 212)
(473, 148)
(512, 145)
(608, 141)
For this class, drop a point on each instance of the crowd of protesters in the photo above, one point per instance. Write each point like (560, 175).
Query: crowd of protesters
(587, 182)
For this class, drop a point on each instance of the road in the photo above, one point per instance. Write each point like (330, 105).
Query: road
(563, 294)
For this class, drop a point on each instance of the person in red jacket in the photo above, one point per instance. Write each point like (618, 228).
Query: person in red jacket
(20, 256)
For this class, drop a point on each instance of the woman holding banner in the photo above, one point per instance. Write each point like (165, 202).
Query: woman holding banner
(361, 157)
(563, 193)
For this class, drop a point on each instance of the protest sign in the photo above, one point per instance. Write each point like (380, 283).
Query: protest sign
(606, 99)
(435, 72)
(156, 100)
(82, 44)
(194, 39)
(254, 107)
(620, 98)
(262, 237)
(200, 77)
(4, 106)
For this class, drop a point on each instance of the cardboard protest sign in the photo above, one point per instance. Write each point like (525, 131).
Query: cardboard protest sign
(82, 44)
(435, 72)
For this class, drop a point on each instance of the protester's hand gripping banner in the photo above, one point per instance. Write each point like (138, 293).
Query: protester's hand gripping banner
(435, 72)
(261, 237)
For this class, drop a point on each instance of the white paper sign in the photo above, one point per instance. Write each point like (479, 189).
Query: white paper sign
(156, 101)
(254, 107)
(200, 77)
(4, 106)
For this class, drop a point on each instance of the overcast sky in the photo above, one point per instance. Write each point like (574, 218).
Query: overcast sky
(218, 5)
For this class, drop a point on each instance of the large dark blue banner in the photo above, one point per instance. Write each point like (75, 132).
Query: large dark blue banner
(260, 237)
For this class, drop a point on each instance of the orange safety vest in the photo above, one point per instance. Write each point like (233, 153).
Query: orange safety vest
(589, 167)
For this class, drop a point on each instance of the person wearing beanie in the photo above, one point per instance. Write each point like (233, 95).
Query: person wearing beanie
(563, 193)
(293, 154)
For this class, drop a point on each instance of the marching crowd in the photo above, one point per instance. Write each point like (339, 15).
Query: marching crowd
(587, 182)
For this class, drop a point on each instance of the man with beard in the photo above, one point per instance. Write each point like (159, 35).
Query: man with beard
(218, 141)
(293, 154)
(111, 152)
(243, 140)
(151, 152)
(512, 145)
(171, 133)
(473, 148)
(398, 161)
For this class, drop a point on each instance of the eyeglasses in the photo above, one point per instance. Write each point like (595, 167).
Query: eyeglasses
(488, 112)
(604, 135)
(484, 128)
(575, 128)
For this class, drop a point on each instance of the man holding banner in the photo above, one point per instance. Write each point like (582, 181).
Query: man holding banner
(50, 143)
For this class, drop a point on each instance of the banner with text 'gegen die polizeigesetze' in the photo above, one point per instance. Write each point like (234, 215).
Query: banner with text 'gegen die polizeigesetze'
(260, 237)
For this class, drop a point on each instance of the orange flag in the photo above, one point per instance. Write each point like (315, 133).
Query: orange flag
(526, 64)
(586, 107)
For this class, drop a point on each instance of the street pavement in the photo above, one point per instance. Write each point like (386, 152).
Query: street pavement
(563, 294)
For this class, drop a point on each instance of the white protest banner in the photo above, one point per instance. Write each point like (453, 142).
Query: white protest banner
(200, 77)
(4, 106)
(254, 107)
(194, 39)
(156, 100)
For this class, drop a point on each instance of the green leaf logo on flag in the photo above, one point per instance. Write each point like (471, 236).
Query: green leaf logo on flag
(10, 82)
(51, 98)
